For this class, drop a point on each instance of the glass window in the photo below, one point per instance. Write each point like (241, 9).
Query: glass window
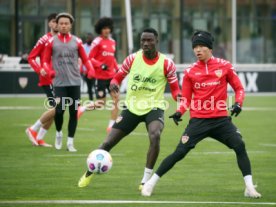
(210, 15)
(256, 28)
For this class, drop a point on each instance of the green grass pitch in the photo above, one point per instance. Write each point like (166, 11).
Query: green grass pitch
(209, 172)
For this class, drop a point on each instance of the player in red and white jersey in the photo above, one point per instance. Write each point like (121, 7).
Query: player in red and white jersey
(102, 56)
(204, 92)
(38, 130)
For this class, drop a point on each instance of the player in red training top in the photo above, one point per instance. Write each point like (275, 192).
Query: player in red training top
(204, 91)
(64, 51)
(39, 129)
(102, 55)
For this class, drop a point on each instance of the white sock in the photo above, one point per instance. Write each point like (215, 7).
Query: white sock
(111, 122)
(59, 134)
(70, 140)
(36, 125)
(41, 133)
(248, 181)
(147, 174)
(154, 179)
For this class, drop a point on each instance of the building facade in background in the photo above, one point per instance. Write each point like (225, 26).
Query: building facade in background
(22, 22)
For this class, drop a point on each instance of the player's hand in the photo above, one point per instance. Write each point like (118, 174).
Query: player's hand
(176, 117)
(236, 109)
(114, 88)
(43, 72)
(104, 67)
(52, 74)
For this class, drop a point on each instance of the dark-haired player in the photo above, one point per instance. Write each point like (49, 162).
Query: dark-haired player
(204, 91)
(38, 130)
(64, 50)
(148, 73)
(102, 56)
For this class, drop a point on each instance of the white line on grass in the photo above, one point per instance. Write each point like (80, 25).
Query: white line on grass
(268, 145)
(132, 202)
(20, 108)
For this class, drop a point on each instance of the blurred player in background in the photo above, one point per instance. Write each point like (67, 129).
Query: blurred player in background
(90, 82)
(102, 55)
(38, 130)
(204, 91)
(65, 49)
(148, 71)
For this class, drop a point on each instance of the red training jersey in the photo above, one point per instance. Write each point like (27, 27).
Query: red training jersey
(38, 51)
(169, 72)
(103, 52)
(204, 88)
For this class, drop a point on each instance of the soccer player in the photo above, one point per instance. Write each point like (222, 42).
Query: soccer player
(102, 56)
(90, 82)
(148, 73)
(65, 49)
(204, 91)
(38, 130)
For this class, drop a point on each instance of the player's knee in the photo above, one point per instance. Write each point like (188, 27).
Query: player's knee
(240, 148)
(154, 138)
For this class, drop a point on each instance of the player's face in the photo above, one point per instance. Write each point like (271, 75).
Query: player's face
(106, 32)
(148, 42)
(202, 53)
(64, 25)
(53, 25)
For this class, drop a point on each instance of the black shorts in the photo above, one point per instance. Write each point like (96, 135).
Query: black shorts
(49, 91)
(222, 129)
(68, 95)
(101, 87)
(127, 121)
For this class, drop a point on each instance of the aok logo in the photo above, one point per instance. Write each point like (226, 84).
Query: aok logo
(138, 78)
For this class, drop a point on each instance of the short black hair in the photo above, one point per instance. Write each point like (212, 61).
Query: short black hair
(102, 23)
(151, 30)
(67, 15)
(51, 16)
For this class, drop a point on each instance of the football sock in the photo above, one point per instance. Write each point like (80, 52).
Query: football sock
(41, 133)
(111, 122)
(248, 180)
(88, 173)
(147, 174)
(70, 140)
(36, 125)
(154, 179)
(59, 134)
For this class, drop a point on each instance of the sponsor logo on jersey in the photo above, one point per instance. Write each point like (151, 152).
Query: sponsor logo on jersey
(105, 53)
(138, 78)
(23, 82)
(208, 84)
(218, 73)
(184, 139)
(134, 87)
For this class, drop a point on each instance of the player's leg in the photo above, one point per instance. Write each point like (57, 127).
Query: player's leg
(155, 124)
(124, 124)
(115, 110)
(61, 95)
(37, 129)
(48, 117)
(228, 134)
(74, 94)
(194, 133)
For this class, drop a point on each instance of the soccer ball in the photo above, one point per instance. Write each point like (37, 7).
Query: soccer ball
(99, 161)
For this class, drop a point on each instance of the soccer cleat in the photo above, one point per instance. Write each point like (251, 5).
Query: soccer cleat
(251, 192)
(85, 180)
(108, 130)
(81, 109)
(42, 143)
(141, 187)
(71, 148)
(58, 142)
(32, 136)
(147, 189)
